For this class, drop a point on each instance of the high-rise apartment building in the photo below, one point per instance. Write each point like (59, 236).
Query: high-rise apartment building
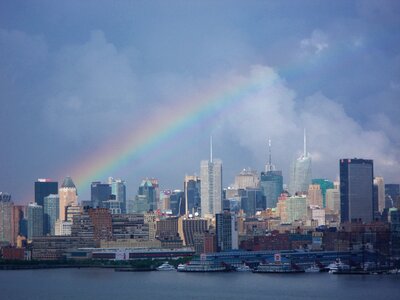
(300, 174)
(192, 186)
(6, 218)
(356, 190)
(35, 220)
(68, 197)
(211, 186)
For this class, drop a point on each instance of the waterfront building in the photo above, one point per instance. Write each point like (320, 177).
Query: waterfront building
(118, 188)
(226, 231)
(314, 195)
(192, 188)
(6, 218)
(300, 173)
(68, 197)
(356, 190)
(324, 184)
(211, 186)
(188, 228)
(51, 213)
(35, 220)
(99, 193)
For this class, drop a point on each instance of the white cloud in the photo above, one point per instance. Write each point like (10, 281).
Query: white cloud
(316, 43)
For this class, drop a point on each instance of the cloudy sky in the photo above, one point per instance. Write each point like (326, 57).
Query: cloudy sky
(79, 76)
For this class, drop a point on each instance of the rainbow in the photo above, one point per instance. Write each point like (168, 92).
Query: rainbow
(161, 126)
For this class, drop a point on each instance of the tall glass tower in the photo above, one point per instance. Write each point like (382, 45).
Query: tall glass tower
(300, 173)
(211, 186)
(356, 190)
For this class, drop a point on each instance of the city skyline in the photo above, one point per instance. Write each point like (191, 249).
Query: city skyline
(118, 94)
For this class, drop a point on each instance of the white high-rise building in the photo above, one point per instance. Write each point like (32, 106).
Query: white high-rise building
(379, 183)
(211, 186)
(300, 173)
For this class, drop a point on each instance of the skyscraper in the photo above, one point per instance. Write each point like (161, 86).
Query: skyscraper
(324, 184)
(35, 220)
(68, 196)
(43, 188)
(300, 175)
(392, 195)
(271, 182)
(6, 218)
(51, 213)
(99, 193)
(118, 188)
(226, 231)
(192, 185)
(380, 186)
(356, 190)
(211, 186)
(146, 197)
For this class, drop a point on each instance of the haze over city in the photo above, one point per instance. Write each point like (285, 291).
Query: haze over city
(80, 79)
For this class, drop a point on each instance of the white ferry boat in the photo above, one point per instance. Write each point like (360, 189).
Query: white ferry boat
(201, 266)
(313, 269)
(166, 267)
(243, 268)
(338, 266)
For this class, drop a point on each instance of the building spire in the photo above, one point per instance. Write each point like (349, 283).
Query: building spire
(269, 166)
(211, 149)
(305, 144)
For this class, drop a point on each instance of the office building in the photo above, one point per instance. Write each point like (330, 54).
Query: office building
(271, 184)
(51, 213)
(35, 220)
(247, 178)
(324, 184)
(68, 197)
(356, 190)
(226, 231)
(392, 195)
(314, 195)
(99, 193)
(300, 173)
(177, 203)
(211, 186)
(146, 198)
(296, 208)
(251, 200)
(118, 188)
(333, 200)
(380, 194)
(43, 188)
(192, 188)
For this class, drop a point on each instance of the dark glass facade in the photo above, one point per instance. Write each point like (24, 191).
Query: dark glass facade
(356, 190)
(43, 189)
(271, 183)
(99, 193)
(192, 192)
(392, 195)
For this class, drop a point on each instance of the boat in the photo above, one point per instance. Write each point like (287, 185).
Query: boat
(166, 267)
(338, 267)
(201, 266)
(277, 268)
(243, 268)
(313, 269)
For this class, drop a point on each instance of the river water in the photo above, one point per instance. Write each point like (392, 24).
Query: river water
(107, 284)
